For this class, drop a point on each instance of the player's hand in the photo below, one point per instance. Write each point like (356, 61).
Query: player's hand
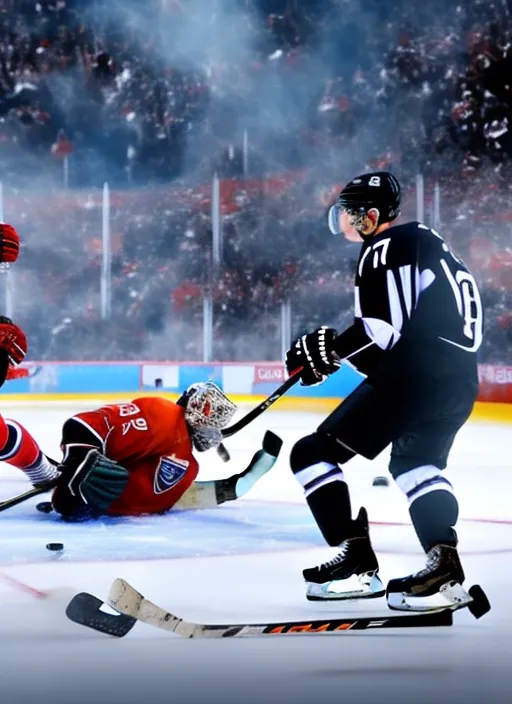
(16, 373)
(89, 480)
(315, 353)
(9, 244)
(12, 340)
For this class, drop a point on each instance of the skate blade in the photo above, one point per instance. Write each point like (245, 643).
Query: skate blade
(365, 586)
(450, 596)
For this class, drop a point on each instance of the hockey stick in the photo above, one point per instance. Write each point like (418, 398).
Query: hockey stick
(262, 407)
(85, 610)
(212, 493)
(236, 427)
(275, 396)
(43, 489)
(222, 451)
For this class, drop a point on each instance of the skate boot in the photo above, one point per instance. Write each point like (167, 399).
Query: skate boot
(438, 585)
(353, 574)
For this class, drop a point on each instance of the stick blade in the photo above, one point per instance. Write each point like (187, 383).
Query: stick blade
(480, 604)
(272, 444)
(85, 609)
(124, 598)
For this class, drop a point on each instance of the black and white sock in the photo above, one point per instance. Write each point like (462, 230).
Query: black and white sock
(328, 498)
(433, 506)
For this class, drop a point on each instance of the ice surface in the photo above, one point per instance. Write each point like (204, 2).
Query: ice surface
(243, 562)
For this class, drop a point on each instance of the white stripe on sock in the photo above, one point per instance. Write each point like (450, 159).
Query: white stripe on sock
(408, 481)
(315, 471)
(327, 480)
(44, 471)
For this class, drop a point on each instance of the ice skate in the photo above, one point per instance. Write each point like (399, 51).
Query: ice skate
(353, 574)
(437, 586)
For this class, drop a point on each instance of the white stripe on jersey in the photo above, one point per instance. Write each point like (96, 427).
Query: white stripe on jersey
(427, 277)
(357, 303)
(417, 285)
(383, 334)
(400, 307)
(94, 432)
(405, 278)
(395, 307)
(403, 293)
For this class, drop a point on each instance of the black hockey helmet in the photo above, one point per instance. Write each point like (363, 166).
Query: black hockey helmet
(378, 189)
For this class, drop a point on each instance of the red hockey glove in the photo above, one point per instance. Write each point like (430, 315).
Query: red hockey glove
(9, 244)
(12, 340)
(16, 373)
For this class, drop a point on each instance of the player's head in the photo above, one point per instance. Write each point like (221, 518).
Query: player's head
(369, 201)
(207, 411)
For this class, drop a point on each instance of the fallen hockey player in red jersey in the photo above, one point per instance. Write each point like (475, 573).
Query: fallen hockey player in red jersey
(17, 447)
(137, 458)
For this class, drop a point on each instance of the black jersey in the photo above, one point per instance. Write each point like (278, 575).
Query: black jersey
(417, 303)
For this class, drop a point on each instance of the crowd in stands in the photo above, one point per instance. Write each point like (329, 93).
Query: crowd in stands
(311, 90)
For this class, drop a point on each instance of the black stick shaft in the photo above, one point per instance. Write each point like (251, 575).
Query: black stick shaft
(9, 503)
(252, 415)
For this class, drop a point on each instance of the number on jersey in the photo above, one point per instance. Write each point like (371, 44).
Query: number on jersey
(469, 305)
(136, 424)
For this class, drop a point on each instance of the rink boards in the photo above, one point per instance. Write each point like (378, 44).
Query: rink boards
(245, 383)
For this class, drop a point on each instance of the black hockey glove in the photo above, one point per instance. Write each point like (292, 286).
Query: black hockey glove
(315, 353)
(89, 484)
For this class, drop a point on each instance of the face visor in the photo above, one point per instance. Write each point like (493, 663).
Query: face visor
(334, 218)
(207, 411)
(341, 220)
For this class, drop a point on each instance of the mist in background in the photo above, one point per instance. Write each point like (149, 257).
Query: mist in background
(155, 97)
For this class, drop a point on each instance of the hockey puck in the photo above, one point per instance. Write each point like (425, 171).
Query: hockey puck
(55, 547)
(380, 481)
(44, 507)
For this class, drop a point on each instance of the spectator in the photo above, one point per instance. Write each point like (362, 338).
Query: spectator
(289, 101)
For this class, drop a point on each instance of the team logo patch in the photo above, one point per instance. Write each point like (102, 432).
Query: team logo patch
(169, 472)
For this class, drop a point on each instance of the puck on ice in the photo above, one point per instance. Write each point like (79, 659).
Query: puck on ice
(44, 507)
(55, 546)
(380, 481)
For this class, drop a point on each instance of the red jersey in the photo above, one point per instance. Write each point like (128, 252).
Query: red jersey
(150, 438)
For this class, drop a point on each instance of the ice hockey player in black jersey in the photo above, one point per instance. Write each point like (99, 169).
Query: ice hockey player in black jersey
(416, 331)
